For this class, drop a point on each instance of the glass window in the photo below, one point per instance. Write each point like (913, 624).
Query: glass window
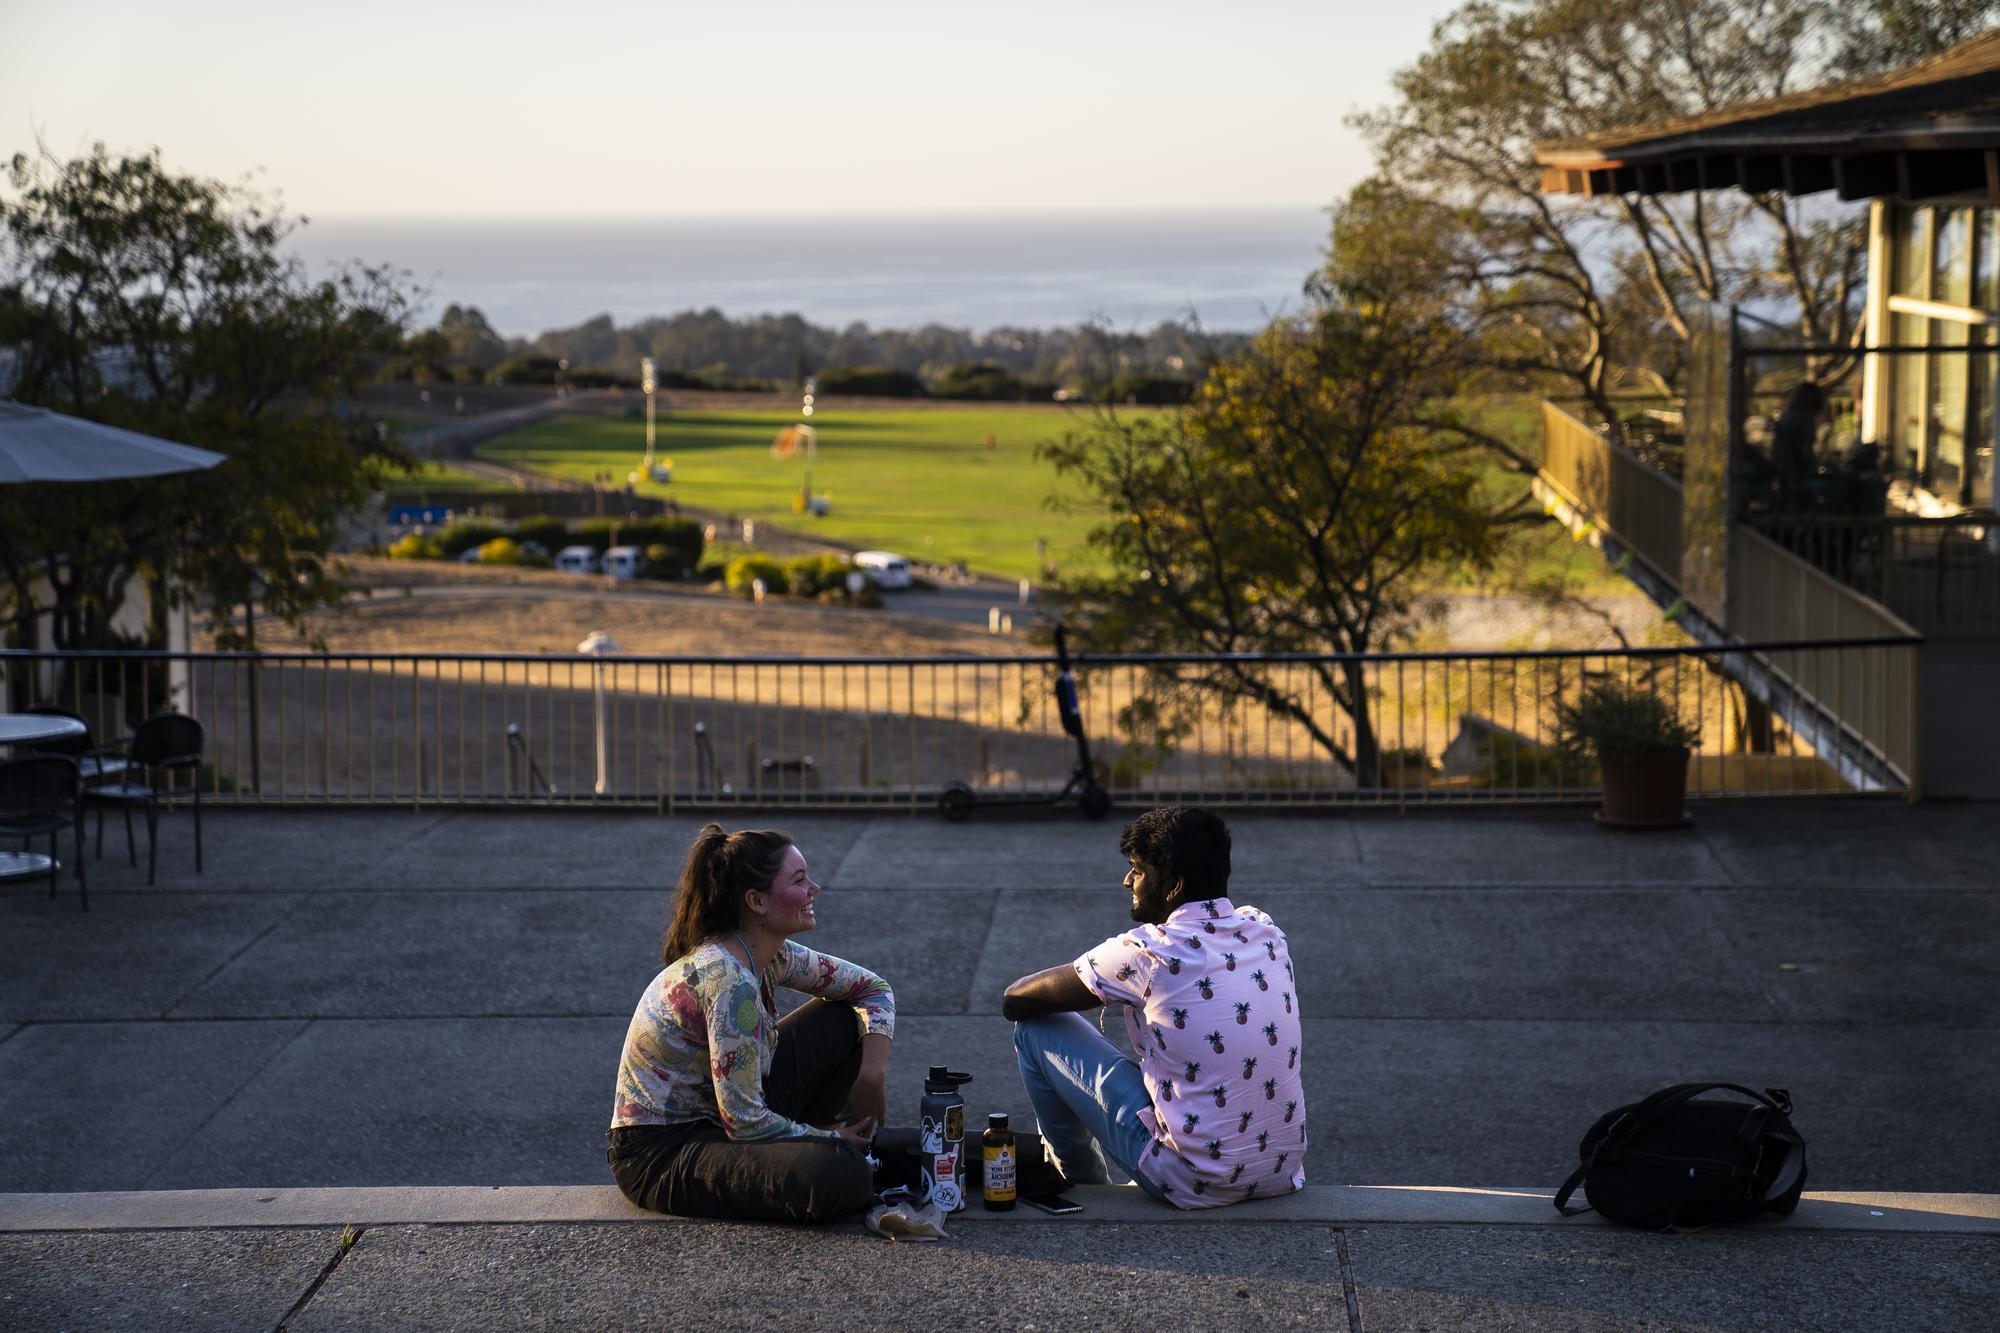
(1985, 273)
(1945, 467)
(1907, 412)
(1913, 263)
(1951, 251)
(1980, 442)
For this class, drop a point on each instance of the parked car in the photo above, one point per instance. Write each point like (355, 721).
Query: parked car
(625, 562)
(577, 560)
(888, 569)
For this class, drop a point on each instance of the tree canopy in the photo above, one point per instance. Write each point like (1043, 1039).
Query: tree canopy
(160, 302)
(1595, 294)
(1297, 502)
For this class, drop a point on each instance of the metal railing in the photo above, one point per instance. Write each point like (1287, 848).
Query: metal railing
(1775, 596)
(419, 730)
(1636, 502)
(1940, 575)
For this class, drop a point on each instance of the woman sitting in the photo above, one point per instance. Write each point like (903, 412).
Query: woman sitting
(722, 1110)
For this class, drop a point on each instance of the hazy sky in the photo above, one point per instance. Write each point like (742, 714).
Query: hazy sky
(602, 108)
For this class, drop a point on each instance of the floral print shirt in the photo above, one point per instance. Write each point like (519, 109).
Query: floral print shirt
(1213, 1016)
(704, 1032)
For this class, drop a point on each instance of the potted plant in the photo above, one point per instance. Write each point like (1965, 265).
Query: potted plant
(1641, 746)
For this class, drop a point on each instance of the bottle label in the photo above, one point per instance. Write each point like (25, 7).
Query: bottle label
(998, 1178)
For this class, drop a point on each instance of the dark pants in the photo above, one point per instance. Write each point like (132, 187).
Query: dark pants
(694, 1170)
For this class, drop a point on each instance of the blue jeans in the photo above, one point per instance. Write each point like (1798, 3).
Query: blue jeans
(1087, 1096)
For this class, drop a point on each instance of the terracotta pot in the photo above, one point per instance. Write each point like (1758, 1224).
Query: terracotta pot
(1645, 793)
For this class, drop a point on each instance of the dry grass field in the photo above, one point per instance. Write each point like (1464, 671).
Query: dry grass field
(428, 607)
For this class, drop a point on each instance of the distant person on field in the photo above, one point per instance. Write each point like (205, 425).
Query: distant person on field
(1794, 437)
(723, 1110)
(1213, 1110)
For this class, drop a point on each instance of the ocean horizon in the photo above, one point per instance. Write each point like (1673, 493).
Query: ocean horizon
(1231, 269)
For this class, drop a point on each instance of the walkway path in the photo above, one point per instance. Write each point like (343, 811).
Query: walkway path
(366, 1000)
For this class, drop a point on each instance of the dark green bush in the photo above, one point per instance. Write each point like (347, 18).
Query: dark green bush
(871, 381)
(526, 370)
(551, 534)
(466, 533)
(594, 377)
(681, 537)
(982, 381)
(1150, 390)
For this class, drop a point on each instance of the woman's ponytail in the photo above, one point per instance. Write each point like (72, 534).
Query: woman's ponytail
(719, 869)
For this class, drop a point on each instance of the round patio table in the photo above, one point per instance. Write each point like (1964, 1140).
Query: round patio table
(26, 729)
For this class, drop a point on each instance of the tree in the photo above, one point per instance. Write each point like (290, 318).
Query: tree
(469, 339)
(1876, 35)
(1581, 291)
(160, 302)
(1299, 500)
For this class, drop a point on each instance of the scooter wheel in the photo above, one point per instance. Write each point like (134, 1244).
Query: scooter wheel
(1095, 802)
(955, 802)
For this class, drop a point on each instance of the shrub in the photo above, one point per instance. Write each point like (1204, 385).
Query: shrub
(551, 534)
(1614, 721)
(414, 546)
(1151, 390)
(1405, 766)
(465, 534)
(874, 381)
(744, 568)
(596, 534)
(502, 551)
(526, 370)
(810, 575)
(1510, 761)
(595, 377)
(980, 380)
(680, 536)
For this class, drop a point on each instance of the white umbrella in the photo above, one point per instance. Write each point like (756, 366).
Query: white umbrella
(39, 445)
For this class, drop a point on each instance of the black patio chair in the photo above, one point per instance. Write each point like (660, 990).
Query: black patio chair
(162, 744)
(42, 794)
(96, 764)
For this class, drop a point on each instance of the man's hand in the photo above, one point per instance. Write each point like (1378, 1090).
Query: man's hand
(868, 1100)
(1053, 990)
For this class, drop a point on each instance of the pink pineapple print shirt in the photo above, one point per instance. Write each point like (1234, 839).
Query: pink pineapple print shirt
(1213, 1017)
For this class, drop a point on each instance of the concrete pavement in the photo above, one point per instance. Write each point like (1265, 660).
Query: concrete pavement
(358, 1000)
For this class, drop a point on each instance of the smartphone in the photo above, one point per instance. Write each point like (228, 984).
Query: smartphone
(1052, 1203)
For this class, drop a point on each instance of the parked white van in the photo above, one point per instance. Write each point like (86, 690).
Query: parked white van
(577, 560)
(888, 569)
(624, 562)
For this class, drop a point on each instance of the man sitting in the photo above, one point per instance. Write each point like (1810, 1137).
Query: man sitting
(1213, 1111)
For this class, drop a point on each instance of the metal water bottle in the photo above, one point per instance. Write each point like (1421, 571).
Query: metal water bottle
(942, 1115)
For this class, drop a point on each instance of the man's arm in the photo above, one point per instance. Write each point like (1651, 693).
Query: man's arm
(1053, 990)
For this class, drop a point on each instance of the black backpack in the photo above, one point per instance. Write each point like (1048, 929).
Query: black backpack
(1672, 1162)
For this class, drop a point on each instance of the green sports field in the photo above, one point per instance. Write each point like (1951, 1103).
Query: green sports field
(921, 482)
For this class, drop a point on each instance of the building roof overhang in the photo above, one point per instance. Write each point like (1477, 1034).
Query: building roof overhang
(1928, 130)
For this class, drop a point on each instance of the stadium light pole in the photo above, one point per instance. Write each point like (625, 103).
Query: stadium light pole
(648, 382)
(812, 437)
